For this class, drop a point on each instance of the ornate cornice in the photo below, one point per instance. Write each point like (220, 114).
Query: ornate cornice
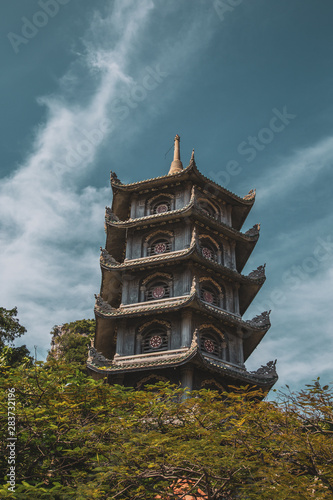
(265, 376)
(248, 200)
(251, 235)
(259, 323)
(255, 277)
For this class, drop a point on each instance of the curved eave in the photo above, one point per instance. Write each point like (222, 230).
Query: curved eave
(163, 306)
(180, 176)
(193, 355)
(189, 209)
(181, 255)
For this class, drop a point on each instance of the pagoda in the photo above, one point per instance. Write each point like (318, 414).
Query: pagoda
(173, 293)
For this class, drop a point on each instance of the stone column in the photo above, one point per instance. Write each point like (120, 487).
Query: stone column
(219, 257)
(145, 248)
(187, 377)
(142, 293)
(134, 201)
(236, 298)
(233, 254)
(138, 341)
(186, 328)
(229, 216)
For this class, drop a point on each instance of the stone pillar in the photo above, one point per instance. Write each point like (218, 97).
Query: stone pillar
(229, 216)
(134, 201)
(229, 300)
(120, 338)
(219, 257)
(129, 245)
(138, 341)
(124, 292)
(241, 351)
(186, 328)
(142, 293)
(145, 248)
(236, 298)
(187, 235)
(187, 377)
(233, 254)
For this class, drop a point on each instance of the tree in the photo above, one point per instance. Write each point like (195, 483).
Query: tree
(10, 328)
(71, 340)
(81, 438)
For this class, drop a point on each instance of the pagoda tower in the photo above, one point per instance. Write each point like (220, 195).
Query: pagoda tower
(173, 293)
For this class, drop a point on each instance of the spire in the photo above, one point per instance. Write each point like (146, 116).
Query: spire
(176, 165)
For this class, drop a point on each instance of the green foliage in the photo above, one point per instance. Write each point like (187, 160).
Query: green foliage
(10, 327)
(72, 343)
(14, 356)
(80, 438)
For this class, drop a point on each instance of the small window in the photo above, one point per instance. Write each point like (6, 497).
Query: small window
(208, 252)
(208, 209)
(159, 246)
(158, 290)
(213, 344)
(161, 207)
(155, 340)
(209, 295)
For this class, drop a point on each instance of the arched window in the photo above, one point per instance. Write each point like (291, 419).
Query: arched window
(213, 343)
(161, 205)
(209, 294)
(159, 246)
(156, 339)
(159, 289)
(208, 251)
(208, 208)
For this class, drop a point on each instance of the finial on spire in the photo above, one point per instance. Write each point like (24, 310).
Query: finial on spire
(176, 166)
(192, 155)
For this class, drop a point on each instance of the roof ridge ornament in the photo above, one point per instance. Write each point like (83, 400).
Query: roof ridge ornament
(176, 165)
(250, 196)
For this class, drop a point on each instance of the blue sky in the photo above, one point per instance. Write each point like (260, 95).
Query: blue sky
(89, 87)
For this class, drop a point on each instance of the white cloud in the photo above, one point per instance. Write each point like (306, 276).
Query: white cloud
(296, 171)
(52, 223)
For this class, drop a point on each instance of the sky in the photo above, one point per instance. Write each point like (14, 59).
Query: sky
(88, 87)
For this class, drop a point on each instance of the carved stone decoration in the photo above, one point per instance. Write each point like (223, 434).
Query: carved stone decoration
(102, 305)
(106, 257)
(194, 342)
(262, 320)
(258, 273)
(96, 358)
(114, 178)
(110, 215)
(268, 370)
(254, 231)
(251, 195)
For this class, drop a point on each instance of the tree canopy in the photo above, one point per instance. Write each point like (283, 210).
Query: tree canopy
(10, 327)
(81, 438)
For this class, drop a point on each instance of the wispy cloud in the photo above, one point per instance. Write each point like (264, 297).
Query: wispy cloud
(51, 219)
(297, 171)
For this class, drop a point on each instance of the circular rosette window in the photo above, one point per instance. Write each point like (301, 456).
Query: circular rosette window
(160, 248)
(207, 253)
(208, 297)
(209, 345)
(161, 208)
(155, 341)
(158, 292)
